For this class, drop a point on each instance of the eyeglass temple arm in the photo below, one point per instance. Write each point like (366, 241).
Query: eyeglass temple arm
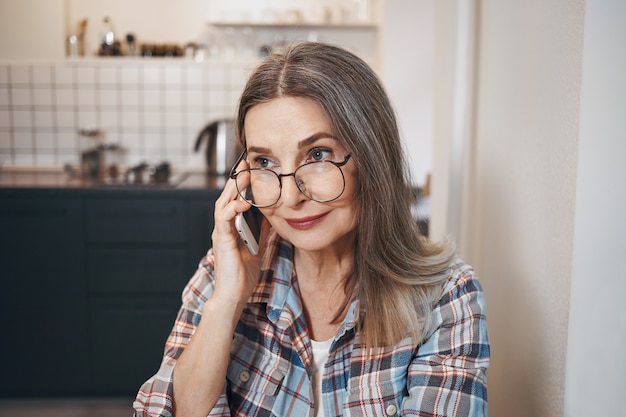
(233, 173)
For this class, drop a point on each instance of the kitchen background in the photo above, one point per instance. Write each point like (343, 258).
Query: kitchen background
(154, 108)
(516, 106)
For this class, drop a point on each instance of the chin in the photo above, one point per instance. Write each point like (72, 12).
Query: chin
(318, 239)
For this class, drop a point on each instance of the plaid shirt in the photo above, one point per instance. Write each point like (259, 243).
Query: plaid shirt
(271, 364)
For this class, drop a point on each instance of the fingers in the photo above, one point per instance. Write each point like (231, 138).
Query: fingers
(265, 231)
(231, 259)
(229, 204)
(230, 191)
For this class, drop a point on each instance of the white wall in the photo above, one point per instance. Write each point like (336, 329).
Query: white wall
(32, 29)
(517, 214)
(407, 67)
(596, 364)
(152, 108)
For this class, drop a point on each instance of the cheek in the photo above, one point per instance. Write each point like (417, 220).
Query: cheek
(347, 209)
(274, 218)
(267, 213)
(353, 215)
(352, 188)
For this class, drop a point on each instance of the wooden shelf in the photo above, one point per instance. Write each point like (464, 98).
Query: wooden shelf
(296, 25)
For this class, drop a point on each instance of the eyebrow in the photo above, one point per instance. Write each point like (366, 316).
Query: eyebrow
(314, 138)
(301, 144)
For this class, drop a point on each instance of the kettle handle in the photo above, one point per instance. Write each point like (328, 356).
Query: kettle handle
(210, 131)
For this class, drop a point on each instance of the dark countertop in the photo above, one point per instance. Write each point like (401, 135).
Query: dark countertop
(58, 180)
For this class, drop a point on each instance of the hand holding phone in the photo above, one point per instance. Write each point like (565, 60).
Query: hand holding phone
(248, 225)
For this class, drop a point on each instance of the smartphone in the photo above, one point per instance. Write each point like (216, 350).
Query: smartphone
(248, 225)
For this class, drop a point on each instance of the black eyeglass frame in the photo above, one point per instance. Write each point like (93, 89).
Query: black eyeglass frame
(233, 174)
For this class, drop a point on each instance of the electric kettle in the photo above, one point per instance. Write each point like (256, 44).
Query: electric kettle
(222, 148)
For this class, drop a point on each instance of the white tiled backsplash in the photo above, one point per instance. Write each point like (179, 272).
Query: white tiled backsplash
(153, 108)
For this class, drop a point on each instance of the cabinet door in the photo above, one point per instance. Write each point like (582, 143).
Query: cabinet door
(137, 220)
(128, 336)
(43, 310)
(200, 226)
(145, 271)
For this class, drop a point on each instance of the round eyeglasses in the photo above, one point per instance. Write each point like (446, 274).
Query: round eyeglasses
(321, 181)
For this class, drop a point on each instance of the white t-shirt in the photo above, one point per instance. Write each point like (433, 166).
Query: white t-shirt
(320, 356)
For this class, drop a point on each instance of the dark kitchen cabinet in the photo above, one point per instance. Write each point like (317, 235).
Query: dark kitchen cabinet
(141, 220)
(128, 337)
(200, 226)
(136, 252)
(92, 284)
(43, 304)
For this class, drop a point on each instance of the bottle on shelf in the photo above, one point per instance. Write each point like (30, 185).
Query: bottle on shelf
(108, 45)
(131, 44)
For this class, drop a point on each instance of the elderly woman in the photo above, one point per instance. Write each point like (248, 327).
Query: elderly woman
(347, 310)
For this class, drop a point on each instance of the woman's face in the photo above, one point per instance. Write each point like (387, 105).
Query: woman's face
(283, 134)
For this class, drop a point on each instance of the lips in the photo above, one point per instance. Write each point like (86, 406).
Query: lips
(305, 223)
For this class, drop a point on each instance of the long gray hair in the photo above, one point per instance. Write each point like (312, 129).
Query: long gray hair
(398, 273)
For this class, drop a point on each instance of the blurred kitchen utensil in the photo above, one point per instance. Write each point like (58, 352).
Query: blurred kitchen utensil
(222, 149)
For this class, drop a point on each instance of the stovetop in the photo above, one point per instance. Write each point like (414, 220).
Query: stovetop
(142, 175)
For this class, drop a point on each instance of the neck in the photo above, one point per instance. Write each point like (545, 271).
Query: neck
(322, 268)
(321, 279)
(331, 264)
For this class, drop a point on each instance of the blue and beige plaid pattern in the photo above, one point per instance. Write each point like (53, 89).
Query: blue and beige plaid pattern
(270, 369)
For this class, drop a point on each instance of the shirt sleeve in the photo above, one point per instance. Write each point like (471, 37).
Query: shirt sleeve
(155, 397)
(447, 374)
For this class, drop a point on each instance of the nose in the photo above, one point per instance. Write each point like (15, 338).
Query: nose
(290, 194)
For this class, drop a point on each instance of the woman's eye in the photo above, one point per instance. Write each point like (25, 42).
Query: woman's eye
(320, 154)
(260, 162)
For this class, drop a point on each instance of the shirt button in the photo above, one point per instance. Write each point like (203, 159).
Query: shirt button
(244, 376)
(391, 410)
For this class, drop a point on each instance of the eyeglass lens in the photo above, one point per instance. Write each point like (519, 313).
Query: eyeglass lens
(319, 181)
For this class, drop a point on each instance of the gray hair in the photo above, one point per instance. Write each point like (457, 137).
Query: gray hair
(397, 273)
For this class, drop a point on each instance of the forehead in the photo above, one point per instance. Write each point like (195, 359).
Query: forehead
(286, 117)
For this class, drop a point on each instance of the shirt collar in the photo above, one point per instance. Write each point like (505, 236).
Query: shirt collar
(276, 274)
(277, 283)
